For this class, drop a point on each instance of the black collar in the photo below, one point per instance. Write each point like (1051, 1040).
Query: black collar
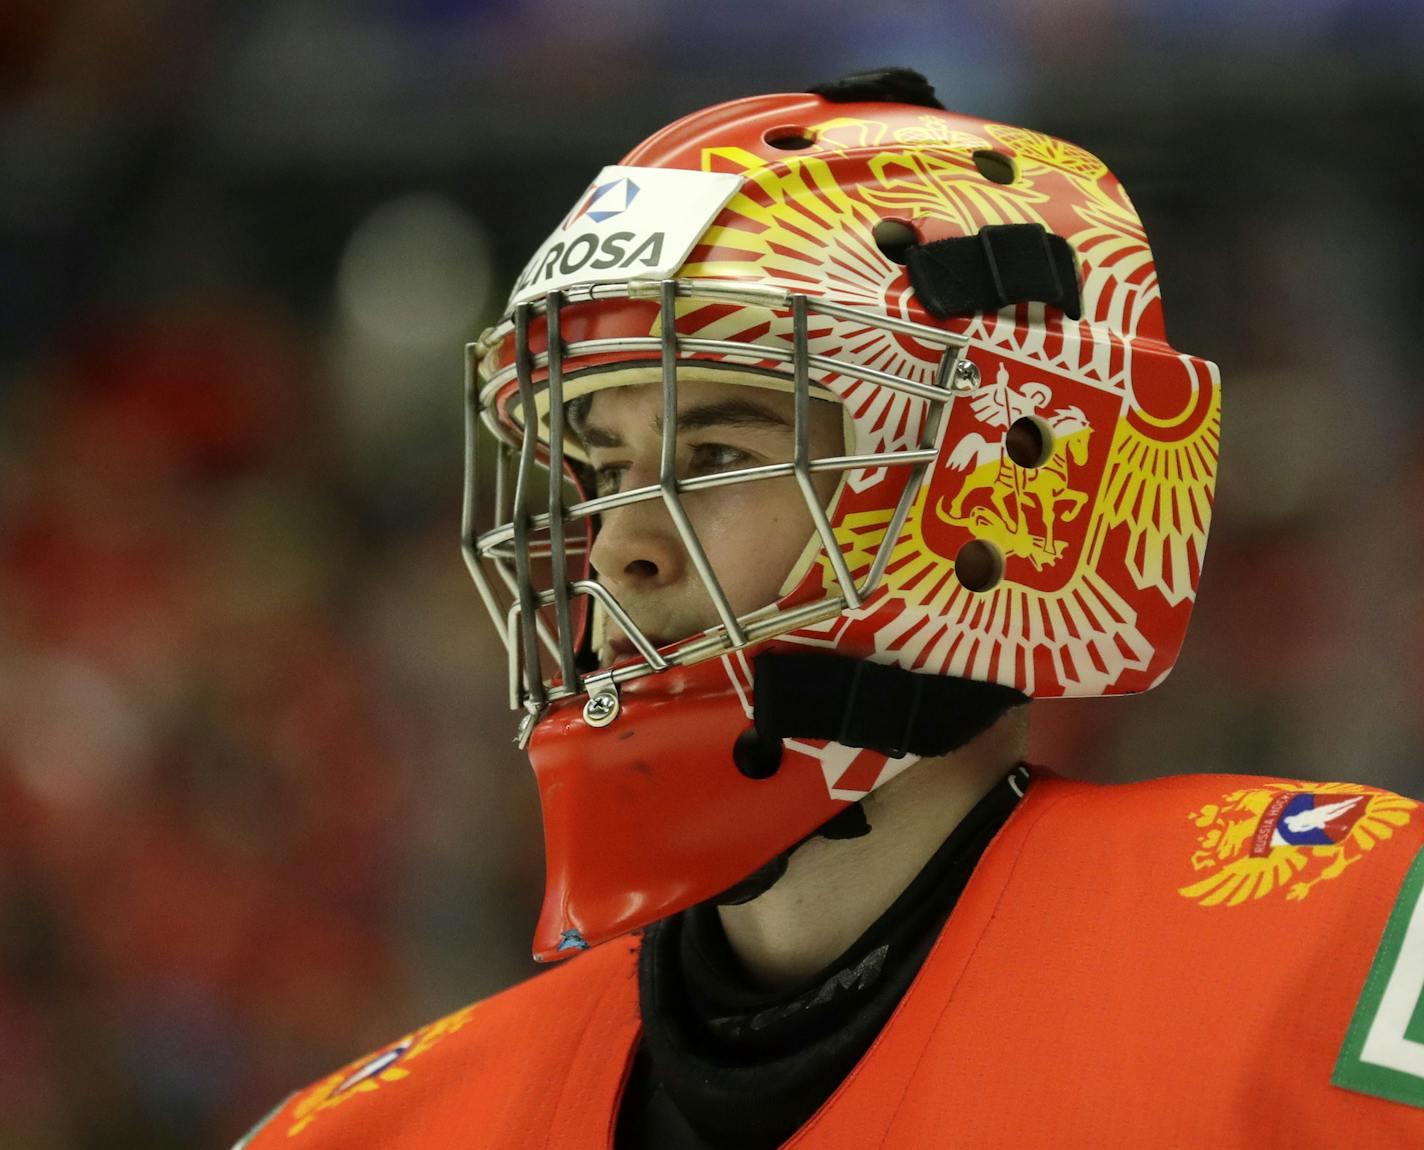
(746, 1067)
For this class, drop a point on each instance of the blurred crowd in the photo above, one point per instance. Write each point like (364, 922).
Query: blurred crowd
(259, 806)
(243, 746)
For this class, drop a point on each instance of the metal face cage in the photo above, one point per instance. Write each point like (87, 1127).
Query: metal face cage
(533, 542)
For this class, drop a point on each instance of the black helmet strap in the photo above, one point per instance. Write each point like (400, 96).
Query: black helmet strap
(863, 704)
(1001, 264)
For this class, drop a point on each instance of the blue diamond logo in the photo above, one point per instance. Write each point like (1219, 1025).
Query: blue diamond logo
(609, 200)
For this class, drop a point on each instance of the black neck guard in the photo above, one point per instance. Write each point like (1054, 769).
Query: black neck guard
(730, 1065)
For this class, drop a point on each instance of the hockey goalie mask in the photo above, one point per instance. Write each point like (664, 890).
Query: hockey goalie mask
(1019, 494)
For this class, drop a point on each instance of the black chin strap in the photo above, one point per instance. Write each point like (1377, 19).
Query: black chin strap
(862, 704)
(858, 704)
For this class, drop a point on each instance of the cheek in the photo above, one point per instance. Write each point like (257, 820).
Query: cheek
(753, 533)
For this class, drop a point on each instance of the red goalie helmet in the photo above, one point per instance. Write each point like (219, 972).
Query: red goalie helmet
(1022, 499)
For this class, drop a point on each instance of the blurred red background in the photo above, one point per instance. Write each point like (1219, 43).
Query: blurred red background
(259, 806)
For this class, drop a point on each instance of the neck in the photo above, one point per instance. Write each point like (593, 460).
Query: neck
(833, 890)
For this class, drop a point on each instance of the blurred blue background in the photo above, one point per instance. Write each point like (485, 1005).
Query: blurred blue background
(259, 808)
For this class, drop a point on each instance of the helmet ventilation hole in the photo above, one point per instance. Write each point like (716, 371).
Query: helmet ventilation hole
(995, 166)
(979, 565)
(894, 238)
(789, 138)
(1029, 442)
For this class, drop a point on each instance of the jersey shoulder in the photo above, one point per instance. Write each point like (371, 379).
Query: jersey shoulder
(395, 1096)
(1287, 812)
(1237, 839)
(1206, 784)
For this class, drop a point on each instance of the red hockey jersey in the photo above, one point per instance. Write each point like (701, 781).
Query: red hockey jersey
(1200, 961)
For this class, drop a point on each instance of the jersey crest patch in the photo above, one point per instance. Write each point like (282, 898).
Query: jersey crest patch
(372, 1073)
(1383, 1054)
(1287, 838)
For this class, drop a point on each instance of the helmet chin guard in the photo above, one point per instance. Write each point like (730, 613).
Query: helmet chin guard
(1024, 495)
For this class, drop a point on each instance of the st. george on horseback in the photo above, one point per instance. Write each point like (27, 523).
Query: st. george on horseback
(1019, 505)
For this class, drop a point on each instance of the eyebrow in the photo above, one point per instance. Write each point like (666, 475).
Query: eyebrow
(724, 413)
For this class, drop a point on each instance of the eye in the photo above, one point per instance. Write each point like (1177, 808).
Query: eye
(704, 459)
(710, 457)
(606, 479)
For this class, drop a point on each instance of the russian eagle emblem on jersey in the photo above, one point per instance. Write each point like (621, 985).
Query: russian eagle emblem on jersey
(1287, 838)
(370, 1074)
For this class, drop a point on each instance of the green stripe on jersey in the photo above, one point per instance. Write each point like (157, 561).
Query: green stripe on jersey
(1383, 1053)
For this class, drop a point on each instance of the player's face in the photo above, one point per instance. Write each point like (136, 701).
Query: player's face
(752, 532)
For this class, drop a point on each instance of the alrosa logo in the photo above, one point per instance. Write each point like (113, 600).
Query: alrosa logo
(588, 251)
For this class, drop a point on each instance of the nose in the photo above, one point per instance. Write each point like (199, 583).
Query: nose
(638, 548)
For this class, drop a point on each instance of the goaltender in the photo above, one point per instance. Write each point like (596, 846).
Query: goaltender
(827, 430)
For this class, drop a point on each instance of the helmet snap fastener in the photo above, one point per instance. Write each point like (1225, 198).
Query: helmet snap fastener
(966, 376)
(756, 757)
(601, 709)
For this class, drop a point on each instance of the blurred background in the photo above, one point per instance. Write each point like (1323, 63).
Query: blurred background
(259, 808)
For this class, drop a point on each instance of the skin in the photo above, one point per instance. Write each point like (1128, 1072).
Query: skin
(752, 532)
(832, 890)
